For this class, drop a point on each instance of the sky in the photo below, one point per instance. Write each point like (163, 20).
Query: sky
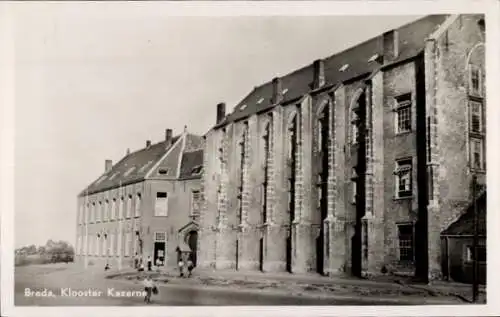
(92, 81)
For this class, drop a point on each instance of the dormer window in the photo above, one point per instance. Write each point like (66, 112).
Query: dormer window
(242, 107)
(260, 101)
(197, 170)
(114, 175)
(163, 171)
(344, 68)
(284, 91)
(130, 170)
(373, 58)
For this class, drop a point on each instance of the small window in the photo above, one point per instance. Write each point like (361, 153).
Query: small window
(284, 91)
(354, 185)
(243, 107)
(373, 58)
(130, 170)
(197, 170)
(405, 235)
(160, 236)
(477, 153)
(163, 171)
(481, 253)
(113, 209)
(403, 113)
(129, 206)
(260, 100)
(476, 116)
(161, 205)
(344, 68)
(475, 81)
(114, 175)
(102, 178)
(403, 178)
(138, 205)
(195, 202)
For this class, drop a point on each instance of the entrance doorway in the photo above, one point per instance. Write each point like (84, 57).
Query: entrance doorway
(289, 254)
(159, 252)
(261, 254)
(193, 245)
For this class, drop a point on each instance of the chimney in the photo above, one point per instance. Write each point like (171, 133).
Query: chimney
(319, 74)
(391, 45)
(128, 152)
(148, 143)
(221, 112)
(277, 91)
(168, 137)
(108, 164)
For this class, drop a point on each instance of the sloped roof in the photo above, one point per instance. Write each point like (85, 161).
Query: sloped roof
(299, 82)
(464, 225)
(136, 166)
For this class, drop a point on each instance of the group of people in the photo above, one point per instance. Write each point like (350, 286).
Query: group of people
(189, 266)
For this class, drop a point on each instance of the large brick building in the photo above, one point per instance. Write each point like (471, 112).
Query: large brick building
(355, 163)
(146, 204)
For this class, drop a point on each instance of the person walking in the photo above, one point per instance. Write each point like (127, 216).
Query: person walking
(148, 287)
(136, 261)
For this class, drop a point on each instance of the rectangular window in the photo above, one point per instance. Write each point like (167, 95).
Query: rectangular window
(93, 212)
(129, 206)
(476, 116)
(403, 178)
(120, 209)
(113, 209)
(161, 204)
(119, 244)
(97, 246)
(128, 243)
(475, 81)
(354, 185)
(481, 253)
(104, 249)
(403, 113)
(195, 203)
(106, 210)
(160, 236)
(98, 212)
(112, 244)
(477, 157)
(78, 245)
(405, 235)
(138, 205)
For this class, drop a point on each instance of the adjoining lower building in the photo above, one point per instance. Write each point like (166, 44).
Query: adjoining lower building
(147, 204)
(458, 245)
(355, 163)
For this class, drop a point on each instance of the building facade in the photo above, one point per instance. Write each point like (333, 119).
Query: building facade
(355, 163)
(147, 204)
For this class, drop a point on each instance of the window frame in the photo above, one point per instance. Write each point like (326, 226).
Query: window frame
(468, 258)
(480, 117)
(156, 214)
(480, 142)
(137, 205)
(412, 245)
(471, 90)
(404, 166)
(403, 102)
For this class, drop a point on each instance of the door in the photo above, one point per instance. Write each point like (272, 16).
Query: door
(159, 252)
(193, 245)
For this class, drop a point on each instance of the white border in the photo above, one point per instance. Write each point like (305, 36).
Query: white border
(278, 8)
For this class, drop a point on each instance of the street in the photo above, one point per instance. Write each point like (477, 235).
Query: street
(56, 277)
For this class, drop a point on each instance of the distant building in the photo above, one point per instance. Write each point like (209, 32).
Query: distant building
(457, 244)
(146, 204)
(355, 163)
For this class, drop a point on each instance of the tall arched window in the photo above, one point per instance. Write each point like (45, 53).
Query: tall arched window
(242, 144)
(354, 122)
(267, 155)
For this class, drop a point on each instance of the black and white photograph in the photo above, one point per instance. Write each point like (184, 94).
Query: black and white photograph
(161, 157)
